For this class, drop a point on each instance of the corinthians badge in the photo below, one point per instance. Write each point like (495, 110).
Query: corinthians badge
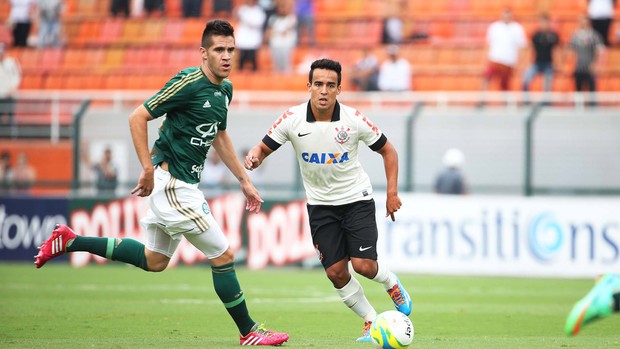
(342, 136)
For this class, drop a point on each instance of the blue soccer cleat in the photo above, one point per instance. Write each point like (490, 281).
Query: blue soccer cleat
(595, 305)
(400, 297)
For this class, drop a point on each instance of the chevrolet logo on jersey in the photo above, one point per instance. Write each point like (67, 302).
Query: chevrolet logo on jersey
(325, 158)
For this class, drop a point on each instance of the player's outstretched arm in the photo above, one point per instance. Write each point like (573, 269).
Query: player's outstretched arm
(390, 162)
(224, 147)
(256, 155)
(139, 134)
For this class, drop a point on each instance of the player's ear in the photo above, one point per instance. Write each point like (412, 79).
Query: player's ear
(309, 85)
(203, 53)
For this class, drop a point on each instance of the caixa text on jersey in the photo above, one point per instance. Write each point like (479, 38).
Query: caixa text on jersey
(325, 158)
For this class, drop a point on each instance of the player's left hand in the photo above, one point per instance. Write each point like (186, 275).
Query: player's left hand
(392, 204)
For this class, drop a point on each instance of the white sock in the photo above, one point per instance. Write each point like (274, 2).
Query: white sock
(384, 276)
(352, 294)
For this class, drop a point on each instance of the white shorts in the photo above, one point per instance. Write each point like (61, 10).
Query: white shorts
(179, 209)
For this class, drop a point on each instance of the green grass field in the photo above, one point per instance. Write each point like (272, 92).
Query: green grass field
(117, 306)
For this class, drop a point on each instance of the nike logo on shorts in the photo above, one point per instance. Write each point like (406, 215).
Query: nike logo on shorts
(362, 249)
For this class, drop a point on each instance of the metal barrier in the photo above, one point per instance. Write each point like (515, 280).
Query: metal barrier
(408, 104)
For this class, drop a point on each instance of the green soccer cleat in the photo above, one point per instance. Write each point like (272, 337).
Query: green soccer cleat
(595, 305)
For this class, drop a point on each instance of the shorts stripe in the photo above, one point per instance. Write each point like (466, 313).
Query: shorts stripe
(173, 201)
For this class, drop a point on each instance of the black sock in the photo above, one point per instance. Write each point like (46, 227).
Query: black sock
(617, 302)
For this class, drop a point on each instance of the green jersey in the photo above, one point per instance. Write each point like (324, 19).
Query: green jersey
(195, 110)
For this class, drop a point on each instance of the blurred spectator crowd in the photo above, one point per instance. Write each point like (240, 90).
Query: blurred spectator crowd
(387, 45)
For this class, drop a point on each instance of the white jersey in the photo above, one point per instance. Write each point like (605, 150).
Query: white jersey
(327, 152)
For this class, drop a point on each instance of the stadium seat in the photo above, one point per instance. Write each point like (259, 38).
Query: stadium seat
(459, 82)
(110, 32)
(570, 9)
(374, 8)
(183, 57)
(524, 8)
(83, 81)
(425, 82)
(155, 57)
(92, 8)
(418, 54)
(192, 32)
(87, 33)
(172, 32)
(263, 59)
(443, 29)
(610, 82)
(113, 58)
(613, 60)
(362, 33)
(152, 32)
(32, 81)
(132, 32)
(134, 57)
(29, 59)
(74, 58)
(329, 8)
(458, 8)
(55, 80)
(173, 8)
(152, 81)
(5, 34)
(5, 8)
(51, 58)
(114, 81)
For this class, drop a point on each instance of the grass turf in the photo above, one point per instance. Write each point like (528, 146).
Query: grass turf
(117, 306)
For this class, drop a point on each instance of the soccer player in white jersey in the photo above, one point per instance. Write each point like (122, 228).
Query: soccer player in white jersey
(325, 136)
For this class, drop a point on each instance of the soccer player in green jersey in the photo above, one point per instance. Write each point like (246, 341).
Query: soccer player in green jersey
(195, 103)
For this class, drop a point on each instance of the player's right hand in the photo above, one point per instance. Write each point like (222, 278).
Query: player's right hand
(146, 183)
(251, 162)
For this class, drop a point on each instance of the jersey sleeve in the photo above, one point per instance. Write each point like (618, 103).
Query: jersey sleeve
(369, 133)
(279, 131)
(173, 95)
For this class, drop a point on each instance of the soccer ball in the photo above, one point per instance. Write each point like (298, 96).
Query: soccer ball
(391, 330)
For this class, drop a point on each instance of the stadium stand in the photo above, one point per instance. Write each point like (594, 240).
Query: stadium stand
(445, 43)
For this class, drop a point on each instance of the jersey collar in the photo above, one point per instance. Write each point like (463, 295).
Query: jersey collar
(335, 115)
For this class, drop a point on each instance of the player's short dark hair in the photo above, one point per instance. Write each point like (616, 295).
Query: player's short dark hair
(216, 27)
(326, 63)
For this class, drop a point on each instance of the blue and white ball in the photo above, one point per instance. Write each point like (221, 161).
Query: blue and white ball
(391, 330)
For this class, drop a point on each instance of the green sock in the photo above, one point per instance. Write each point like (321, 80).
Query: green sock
(126, 250)
(228, 289)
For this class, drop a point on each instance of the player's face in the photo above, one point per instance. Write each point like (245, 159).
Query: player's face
(217, 58)
(324, 89)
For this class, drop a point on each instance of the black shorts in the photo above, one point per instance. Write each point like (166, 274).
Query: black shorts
(344, 231)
